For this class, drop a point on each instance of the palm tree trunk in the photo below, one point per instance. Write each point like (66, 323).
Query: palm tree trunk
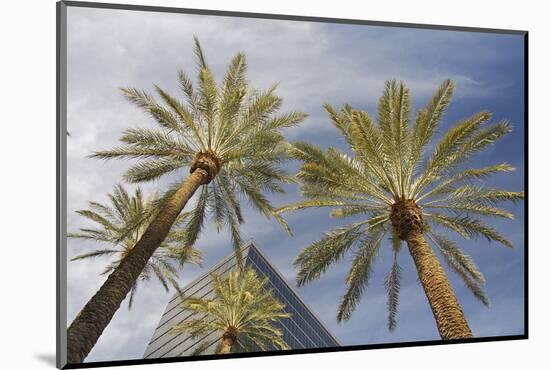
(448, 314)
(227, 343)
(87, 327)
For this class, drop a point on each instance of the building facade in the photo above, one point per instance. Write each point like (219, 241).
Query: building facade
(303, 329)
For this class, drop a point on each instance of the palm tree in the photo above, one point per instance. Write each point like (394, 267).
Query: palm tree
(242, 307)
(392, 189)
(228, 135)
(121, 224)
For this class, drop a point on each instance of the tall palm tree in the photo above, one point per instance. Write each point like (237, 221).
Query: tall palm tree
(392, 188)
(121, 224)
(228, 136)
(242, 306)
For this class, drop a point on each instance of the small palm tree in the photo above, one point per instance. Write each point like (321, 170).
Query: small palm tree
(384, 183)
(228, 137)
(121, 224)
(242, 307)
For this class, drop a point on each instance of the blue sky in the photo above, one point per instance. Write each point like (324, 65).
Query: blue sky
(314, 64)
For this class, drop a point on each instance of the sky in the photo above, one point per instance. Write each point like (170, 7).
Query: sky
(314, 63)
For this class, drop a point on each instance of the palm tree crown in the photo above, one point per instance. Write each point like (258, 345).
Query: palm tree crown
(399, 191)
(121, 224)
(242, 307)
(230, 130)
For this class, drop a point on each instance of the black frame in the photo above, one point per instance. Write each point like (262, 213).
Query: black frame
(61, 166)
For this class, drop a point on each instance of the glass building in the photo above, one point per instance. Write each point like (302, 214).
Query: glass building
(303, 329)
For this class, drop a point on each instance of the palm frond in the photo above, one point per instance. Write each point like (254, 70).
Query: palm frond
(260, 202)
(232, 96)
(369, 145)
(312, 203)
(393, 284)
(151, 169)
(445, 186)
(196, 220)
(445, 151)
(481, 195)
(462, 265)
(94, 216)
(469, 227)
(96, 253)
(199, 55)
(163, 116)
(342, 121)
(360, 272)
(336, 175)
(427, 121)
(315, 259)
(474, 209)
(479, 141)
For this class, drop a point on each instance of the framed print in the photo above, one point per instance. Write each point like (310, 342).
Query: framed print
(237, 184)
